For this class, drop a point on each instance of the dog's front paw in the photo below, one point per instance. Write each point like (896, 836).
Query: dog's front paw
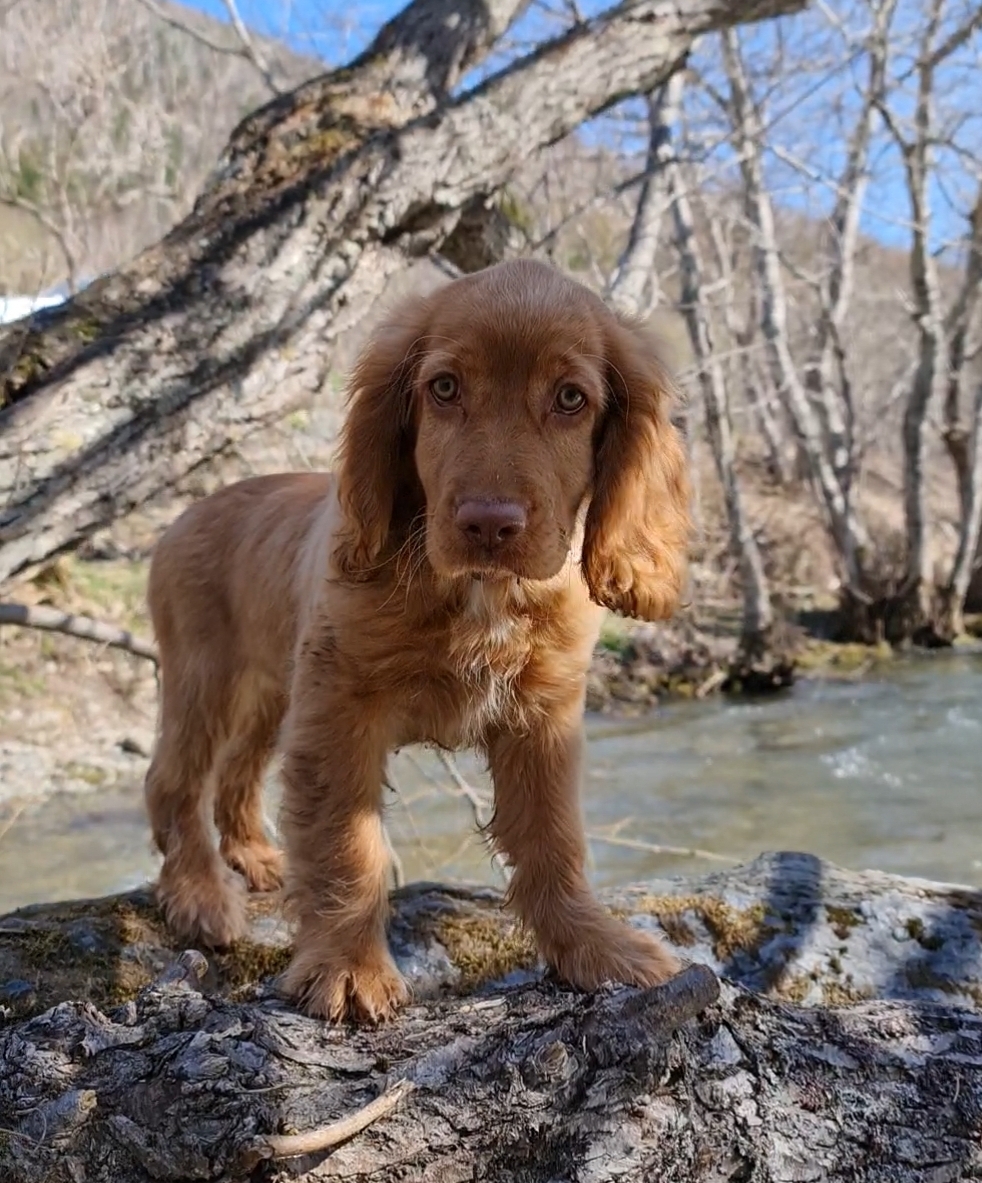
(614, 952)
(368, 989)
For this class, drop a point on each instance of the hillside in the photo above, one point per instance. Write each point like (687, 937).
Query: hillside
(110, 119)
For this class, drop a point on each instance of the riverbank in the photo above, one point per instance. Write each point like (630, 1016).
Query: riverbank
(76, 716)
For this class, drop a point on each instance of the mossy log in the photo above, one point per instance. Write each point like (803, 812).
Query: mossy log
(842, 1042)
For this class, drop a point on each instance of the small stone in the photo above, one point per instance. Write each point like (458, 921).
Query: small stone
(900, 933)
(18, 992)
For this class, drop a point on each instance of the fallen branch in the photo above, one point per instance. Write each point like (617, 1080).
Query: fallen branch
(53, 620)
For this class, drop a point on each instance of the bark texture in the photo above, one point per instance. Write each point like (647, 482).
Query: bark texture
(230, 321)
(845, 1043)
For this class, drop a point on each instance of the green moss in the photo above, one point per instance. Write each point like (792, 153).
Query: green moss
(110, 589)
(917, 931)
(89, 774)
(517, 212)
(842, 920)
(86, 328)
(833, 656)
(16, 683)
(323, 146)
(833, 993)
(247, 963)
(843, 994)
(731, 929)
(484, 946)
(921, 976)
(129, 944)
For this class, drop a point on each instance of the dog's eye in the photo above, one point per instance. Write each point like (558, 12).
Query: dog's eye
(570, 401)
(445, 389)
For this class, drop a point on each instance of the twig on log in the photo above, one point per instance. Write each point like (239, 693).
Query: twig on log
(328, 1136)
(53, 621)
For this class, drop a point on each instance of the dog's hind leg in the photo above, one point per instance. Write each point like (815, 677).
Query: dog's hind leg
(245, 844)
(202, 898)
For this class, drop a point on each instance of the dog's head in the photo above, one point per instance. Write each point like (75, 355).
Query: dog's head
(495, 411)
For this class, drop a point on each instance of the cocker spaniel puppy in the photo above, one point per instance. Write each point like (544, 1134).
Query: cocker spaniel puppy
(508, 470)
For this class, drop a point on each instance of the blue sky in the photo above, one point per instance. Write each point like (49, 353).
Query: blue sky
(805, 105)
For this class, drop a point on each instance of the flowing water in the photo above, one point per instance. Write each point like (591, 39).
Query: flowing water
(885, 773)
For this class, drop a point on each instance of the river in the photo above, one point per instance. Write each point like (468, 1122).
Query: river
(881, 773)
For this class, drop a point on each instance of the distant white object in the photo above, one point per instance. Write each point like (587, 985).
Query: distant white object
(16, 307)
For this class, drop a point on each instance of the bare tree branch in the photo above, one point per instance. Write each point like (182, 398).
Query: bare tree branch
(52, 620)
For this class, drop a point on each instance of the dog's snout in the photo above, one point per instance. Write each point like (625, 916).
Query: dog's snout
(490, 523)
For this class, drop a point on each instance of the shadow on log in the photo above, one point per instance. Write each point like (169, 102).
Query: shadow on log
(845, 1042)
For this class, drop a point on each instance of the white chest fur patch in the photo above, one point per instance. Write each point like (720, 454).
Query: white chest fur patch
(487, 611)
(491, 650)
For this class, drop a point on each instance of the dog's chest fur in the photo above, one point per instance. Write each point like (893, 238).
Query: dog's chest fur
(488, 647)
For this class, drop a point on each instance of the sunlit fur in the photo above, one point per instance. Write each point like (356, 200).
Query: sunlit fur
(343, 616)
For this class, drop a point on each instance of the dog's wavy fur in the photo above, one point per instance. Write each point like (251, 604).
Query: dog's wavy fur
(341, 616)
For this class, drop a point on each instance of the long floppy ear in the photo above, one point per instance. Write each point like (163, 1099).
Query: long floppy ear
(375, 455)
(638, 524)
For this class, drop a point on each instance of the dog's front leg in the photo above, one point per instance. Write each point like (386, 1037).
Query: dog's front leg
(335, 748)
(538, 826)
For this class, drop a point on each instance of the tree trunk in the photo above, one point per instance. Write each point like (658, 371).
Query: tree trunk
(955, 593)
(232, 318)
(634, 287)
(845, 1044)
(848, 533)
(757, 631)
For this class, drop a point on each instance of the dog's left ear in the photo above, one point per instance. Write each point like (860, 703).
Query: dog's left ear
(375, 458)
(638, 524)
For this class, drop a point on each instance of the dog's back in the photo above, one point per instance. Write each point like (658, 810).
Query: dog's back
(223, 576)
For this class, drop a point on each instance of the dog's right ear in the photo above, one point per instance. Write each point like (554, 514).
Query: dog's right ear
(376, 440)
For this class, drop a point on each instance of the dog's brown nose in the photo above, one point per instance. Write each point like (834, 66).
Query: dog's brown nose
(490, 523)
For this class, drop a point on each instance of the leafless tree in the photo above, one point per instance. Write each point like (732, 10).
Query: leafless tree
(943, 333)
(101, 147)
(673, 190)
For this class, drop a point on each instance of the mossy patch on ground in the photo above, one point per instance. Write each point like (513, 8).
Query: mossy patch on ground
(113, 590)
(106, 951)
(831, 657)
(484, 945)
(732, 930)
(842, 920)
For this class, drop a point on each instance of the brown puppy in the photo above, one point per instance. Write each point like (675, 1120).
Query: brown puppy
(507, 467)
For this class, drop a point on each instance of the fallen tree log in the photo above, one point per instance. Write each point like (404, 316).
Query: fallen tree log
(845, 1043)
(232, 319)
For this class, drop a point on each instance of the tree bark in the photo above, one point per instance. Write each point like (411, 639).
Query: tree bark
(634, 287)
(845, 1044)
(827, 373)
(232, 318)
(758, 614)
(941, 339)
(848, 532)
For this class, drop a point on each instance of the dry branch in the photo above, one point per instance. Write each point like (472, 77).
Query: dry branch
(53, 620)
